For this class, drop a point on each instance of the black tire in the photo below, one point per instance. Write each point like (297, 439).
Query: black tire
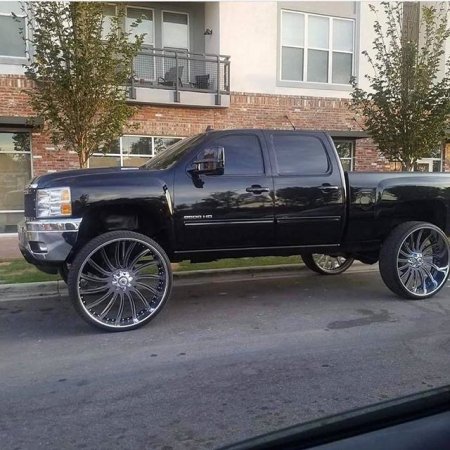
(113, 263)
(414, 260)
(312, 262)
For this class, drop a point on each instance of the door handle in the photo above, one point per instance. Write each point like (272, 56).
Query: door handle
(257, 189)
(328, 187)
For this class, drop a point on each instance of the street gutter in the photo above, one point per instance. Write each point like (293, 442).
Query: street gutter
(42, 290)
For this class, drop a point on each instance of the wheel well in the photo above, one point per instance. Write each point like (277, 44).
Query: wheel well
(433, 211)
(147, 221)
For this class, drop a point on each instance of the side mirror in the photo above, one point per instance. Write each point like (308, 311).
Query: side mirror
(211, 161)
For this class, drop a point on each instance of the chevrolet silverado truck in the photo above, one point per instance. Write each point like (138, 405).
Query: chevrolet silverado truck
(112, 233)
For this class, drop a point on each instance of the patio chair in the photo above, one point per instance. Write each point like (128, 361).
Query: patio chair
(201, 82)
(170, 77)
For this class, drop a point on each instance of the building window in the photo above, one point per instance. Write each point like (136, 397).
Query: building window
(15, 173)
(145, 26)
(109, 12)
(346, 152)
(175, 30)
(175, 36)
(131, 151)
(433, 163)
(316, 49)
(143, 64)
(12, 44)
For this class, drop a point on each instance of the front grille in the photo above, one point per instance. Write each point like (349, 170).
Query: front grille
(30, 202)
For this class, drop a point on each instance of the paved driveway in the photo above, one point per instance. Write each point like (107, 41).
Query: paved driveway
(224, 361)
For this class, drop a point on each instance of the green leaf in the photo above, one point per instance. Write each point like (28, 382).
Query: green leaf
(406, 110)
(79, 75)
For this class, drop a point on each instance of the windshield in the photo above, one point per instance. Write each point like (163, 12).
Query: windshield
(167, 158)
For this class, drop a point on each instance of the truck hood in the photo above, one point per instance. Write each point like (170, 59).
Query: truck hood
(70, 177)
(108, 187)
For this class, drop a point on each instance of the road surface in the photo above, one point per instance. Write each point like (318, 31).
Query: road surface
(224, 361)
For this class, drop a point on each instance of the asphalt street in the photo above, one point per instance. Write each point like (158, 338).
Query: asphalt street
(227, 359)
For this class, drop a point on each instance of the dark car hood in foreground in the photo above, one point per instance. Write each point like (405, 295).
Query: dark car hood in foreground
(415, 422)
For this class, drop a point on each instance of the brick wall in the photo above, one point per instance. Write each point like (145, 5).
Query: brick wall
(46, 158)
(13, 101)
(246, 111)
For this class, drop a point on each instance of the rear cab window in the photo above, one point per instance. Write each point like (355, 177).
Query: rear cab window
(297, 154)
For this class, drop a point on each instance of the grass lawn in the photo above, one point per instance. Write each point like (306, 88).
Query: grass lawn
(238, 262)
(19, 271)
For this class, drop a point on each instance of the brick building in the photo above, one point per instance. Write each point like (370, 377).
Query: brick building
(224, 65)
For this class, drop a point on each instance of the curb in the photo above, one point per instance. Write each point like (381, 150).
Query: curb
(32, 291)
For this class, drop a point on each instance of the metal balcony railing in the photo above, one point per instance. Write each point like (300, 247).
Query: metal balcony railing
(180, 70)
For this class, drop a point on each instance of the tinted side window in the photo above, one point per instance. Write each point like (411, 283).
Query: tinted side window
(243, 154)
(299, 155)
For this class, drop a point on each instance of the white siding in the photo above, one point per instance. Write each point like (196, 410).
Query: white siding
(249, 33)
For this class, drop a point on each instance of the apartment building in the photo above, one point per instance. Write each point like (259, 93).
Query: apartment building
(218, 64)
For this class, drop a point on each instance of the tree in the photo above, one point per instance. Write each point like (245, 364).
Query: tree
(80, 67)
(406, 109)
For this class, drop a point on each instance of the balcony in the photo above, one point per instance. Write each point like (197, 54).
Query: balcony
(179, 77)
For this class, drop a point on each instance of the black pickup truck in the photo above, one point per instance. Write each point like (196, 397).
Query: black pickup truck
(113, 232)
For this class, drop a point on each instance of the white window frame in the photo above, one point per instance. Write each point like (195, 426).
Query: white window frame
(152, 45)
(350, 158)
(188, 29)
(188, 68)
(27, 50)
(306, 47)
(114, 5)
(291, 46)
(15, 211)
(121, 154)
(144, 45)
(430, 161)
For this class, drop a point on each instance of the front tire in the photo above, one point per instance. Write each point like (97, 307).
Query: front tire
(120, 280)
(414, 260)
(326, 264)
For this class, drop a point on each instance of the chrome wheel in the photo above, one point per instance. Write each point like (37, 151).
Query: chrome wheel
(332, 264)
(120, 282)
(423, 261)
(326, 264)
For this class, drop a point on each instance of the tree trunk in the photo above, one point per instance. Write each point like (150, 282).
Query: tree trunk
(82, 158)
(407, 166)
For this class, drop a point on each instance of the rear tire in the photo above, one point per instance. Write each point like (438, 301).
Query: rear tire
(414, 260)
(326, 264)
(120, 281)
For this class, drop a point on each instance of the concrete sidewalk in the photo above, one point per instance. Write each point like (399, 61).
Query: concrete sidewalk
(9, 247)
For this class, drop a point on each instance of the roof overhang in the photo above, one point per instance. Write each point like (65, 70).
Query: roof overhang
(20, 122)
(348, 134)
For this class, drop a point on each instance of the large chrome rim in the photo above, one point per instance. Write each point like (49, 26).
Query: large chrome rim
(423, 261)
(123, 282)
(332, 264)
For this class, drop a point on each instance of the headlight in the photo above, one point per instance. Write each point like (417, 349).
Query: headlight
(53, 202)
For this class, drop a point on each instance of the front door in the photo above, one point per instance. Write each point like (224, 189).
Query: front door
(229, 210)
(309, 191)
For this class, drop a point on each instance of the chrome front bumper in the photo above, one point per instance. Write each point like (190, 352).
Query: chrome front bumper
(48, 240)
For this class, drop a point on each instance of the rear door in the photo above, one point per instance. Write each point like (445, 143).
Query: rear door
(229, 210)
(309, 189)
